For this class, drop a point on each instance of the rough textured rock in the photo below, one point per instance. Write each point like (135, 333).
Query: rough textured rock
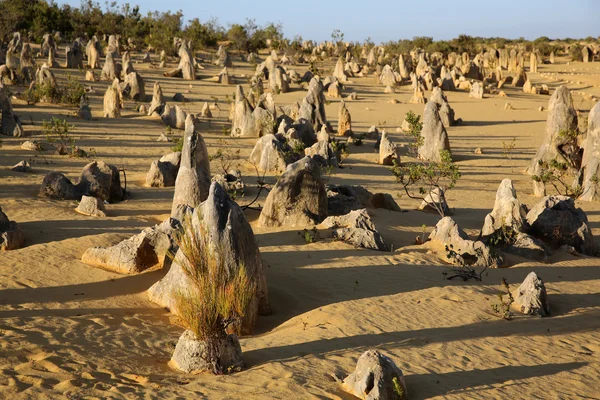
(278, 80)
(57, 186)
(11, 237)
(94, 52)
(476, 91)
(230, 181)
(135, 86)
(468, 252)
(530, 298)
(193, 178)
(190, 354)
(507, 212)
(232, 239)
(435, 138)
(556, 221)
(339, 72)
(223, 59)
(344, 121)
(313, 105)
(84, 112)
(507, 225)
(130, 256)
(10, 124)
(520, 77)
(590, 163)
(561, 117)
(157, 105)
(298, 199)
(322, 152)
(22, 166)
(186, 62)
(418, 96)
(357, 229)
(446, 112)
(387, 77)
(373, 378)
(224, 78)
(163, 172)
(175, 116)
(268, 154)
(341, 199)
(253, 122)
(92, 206)
(334, 90)
(102, 180)
(74, 56)
(113, 101)
(111, 69)
(388, 151)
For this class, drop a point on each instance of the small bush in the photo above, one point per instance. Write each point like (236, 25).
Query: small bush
(70, 95)
(72, 92)
(422, 179)
(415, 138)
(57, 133)
(502, 309)
(309, 236)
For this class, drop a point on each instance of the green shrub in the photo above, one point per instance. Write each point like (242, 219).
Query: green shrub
(57, 133)
(218, 298)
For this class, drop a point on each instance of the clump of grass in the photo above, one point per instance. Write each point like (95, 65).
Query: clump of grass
(502, 309)
(218, 298)
(309, 235)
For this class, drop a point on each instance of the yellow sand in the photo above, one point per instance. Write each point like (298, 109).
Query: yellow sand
(68, 330)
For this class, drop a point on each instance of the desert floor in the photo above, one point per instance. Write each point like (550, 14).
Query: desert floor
(68, 330)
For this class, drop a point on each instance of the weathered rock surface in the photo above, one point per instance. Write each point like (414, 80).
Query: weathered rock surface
(388, 151)
(11, 237)
(22, 166)
(92, 206)
(298, 199)
(57, 186)
(435, 137)
(556, 221)
(590, 164)
(102, 180)
(253, 122)
(506, 226)
(531, 298)
(376, 377)
(193, 178)
(130, 256)
(357, 229)
(322, 152)
(163, 172)
(268, 154)
(447, 233)
(341, 199)
(190, 354)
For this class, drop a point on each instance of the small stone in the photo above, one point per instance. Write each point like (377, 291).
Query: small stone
(22, 166)
(92, 206)
(531, 298)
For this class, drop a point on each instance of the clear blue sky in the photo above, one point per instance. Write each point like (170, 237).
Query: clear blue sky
(384, 20)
